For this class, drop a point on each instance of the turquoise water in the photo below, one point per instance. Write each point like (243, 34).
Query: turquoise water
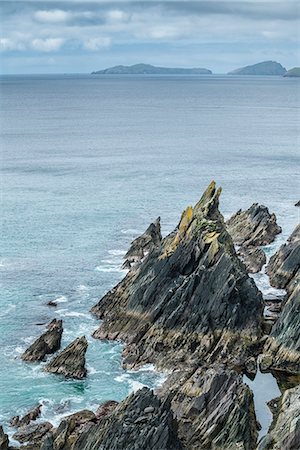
(87, 163)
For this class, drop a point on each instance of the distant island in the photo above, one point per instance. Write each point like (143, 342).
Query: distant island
(294, 72)
(262, 68)
(140, 69)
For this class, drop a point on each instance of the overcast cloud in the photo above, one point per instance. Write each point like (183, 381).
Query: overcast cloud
(82, 36)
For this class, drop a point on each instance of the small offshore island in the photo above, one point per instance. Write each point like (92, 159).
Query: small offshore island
(188, 306)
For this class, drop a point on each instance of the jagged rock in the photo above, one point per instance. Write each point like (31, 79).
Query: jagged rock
(253, 227)
(214, 409)
(106, 409)
(32, 433)
(129, 427)
(47, 343)
(4, 442)
(285, 262)
(298, 203)
(70, 362)
(52, 303)
(253, 258)
(189, 300)
(30, 416)
(284, 433)
(282, 349)
(143, 244)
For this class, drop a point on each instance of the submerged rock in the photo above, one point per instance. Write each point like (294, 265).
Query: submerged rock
(141, 421)
(214, 409)
(285, 263)
(143, 244)
(253, 227)
(191, 300)
(33, 414)
(284, 433)
(4, 441)
(70, 362)
(298, 203)
(46, 344)
(32, 433)
(254, 258)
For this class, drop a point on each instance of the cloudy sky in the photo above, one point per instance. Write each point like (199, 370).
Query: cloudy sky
(81, 36)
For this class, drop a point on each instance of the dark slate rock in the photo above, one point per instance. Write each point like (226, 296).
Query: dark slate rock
(127, 428)
(33, 414)
(253, 227)
(4, 442)
(46, 344)
(32, 432)
(189, 300)
(70, 362)
(143, 244)
(254, 258)
(285, 263)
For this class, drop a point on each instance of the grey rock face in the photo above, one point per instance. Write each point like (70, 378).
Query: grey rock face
(4, 442)
(285, 263)
(284, 433)
(253, 227)
(70, 362)
(32, 433)
(214, 409)
(144, 244)
(189, 300)
(254, 258)
(282, 348)
(46, 344)
(129, 427)
(262, 68)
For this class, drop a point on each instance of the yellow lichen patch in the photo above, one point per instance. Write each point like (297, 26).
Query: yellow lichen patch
(183, 230)
(186, 219)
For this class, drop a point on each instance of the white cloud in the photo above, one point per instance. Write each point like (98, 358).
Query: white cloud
(94, 44)
(7, 45)
(52, 16)
(117, 15)
(47, 45)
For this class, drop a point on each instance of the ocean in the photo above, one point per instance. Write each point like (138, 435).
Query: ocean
(87, 163)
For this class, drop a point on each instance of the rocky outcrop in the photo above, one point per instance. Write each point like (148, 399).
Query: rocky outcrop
(282, 348)
(284, 433)
(189, 300)
(253, 227)
(71, 361)
(33, 414)
(143, 244)
(214, 409)
(254, 258)
(46, 344)
(32, 433)
(141, 421)
(285, 263)
(4, 442)
(298, 203)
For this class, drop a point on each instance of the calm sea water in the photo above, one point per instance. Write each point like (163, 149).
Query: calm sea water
(87, 163)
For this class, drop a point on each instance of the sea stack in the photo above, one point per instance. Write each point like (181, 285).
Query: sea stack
(48, 343)
(70, 362)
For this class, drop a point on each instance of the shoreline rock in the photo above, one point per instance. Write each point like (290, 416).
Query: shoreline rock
(254, 258)
(191, 300)
(253, 227)
(70, 362)
(48, 343)
(285, 263)
(32, 415)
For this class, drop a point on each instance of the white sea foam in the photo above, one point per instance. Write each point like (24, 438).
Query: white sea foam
(61, 299)
(106, 268)
(117, 252)
(77, 314)
(136, 385)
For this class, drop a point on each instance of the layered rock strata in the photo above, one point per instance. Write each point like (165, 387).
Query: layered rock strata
(284, 433)
(285, 263)
(48, 343)
(253, 227)
(189, 300)
(254, 258)
(143, 244)
(70, 362)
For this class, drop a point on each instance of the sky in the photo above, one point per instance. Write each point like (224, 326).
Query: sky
(73, 36)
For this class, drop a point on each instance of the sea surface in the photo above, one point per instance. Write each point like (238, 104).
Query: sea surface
(87, 162)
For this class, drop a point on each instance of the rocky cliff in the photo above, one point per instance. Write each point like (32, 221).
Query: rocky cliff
(189, 300)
